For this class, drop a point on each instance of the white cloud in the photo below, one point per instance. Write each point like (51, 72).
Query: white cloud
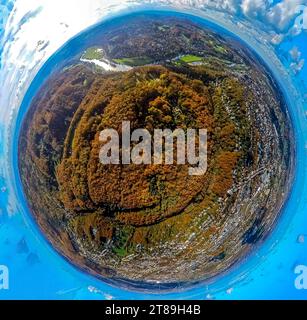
(296, 67)
(277, 39)
(297, 63)
(295, 53)
(255, 8)
(280, 16)
(283, 14)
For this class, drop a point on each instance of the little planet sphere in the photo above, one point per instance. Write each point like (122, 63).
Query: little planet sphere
(145, 224)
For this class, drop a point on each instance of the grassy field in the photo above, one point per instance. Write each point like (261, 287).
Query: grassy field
(220, 49)
(133, 62)
(93, 54)
(191, 58)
